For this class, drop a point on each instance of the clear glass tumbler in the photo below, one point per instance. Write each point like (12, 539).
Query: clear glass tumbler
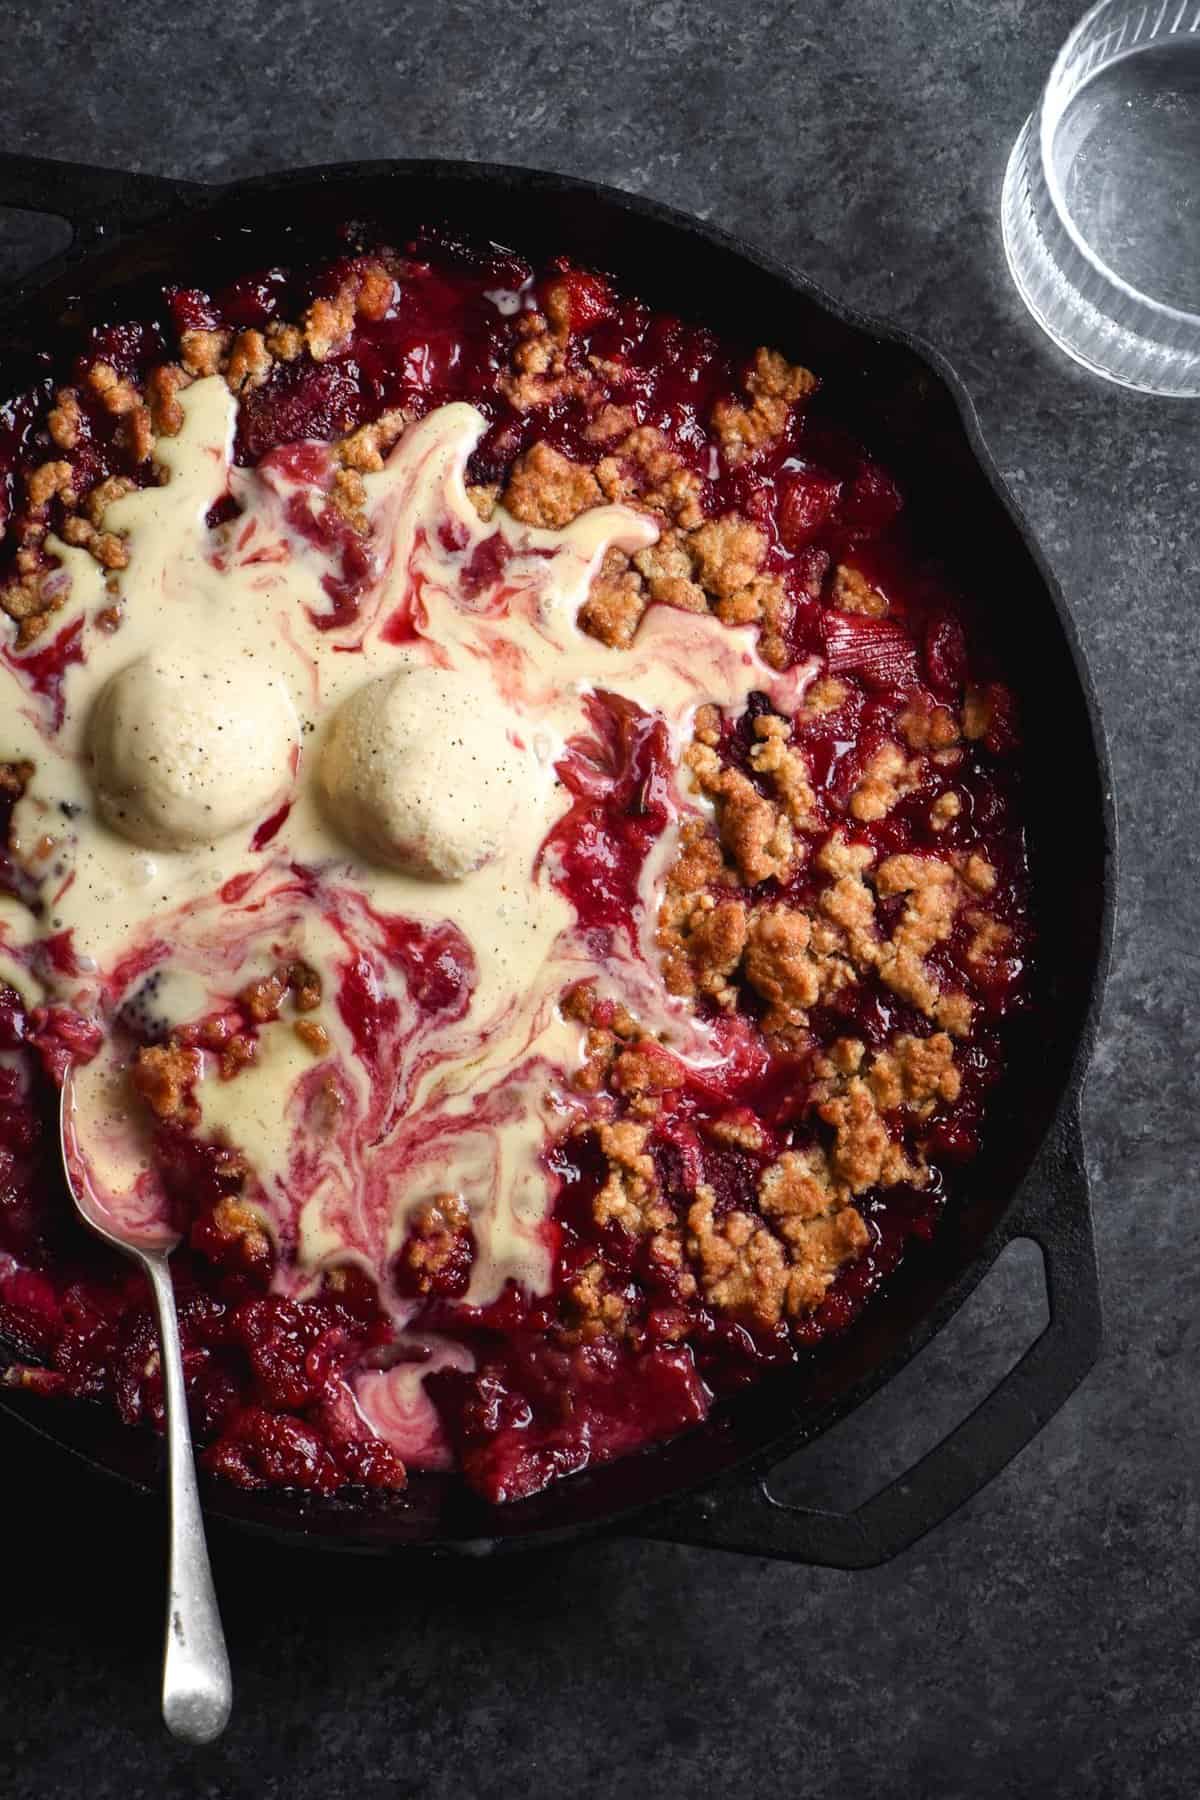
(1101, 204)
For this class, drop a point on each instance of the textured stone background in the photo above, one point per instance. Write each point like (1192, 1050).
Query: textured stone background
(1044, 1641)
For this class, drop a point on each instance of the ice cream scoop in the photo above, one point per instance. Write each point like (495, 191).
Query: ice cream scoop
(421, 770)
(185, 751)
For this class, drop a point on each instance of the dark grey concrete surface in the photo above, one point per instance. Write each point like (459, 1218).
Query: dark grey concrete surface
(1044, 1642)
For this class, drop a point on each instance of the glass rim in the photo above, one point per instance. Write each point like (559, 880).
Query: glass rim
(1046, 126)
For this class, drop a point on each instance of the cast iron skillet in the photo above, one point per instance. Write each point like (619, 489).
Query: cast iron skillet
(708, 1487)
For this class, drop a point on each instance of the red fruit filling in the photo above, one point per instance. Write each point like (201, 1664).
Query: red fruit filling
(852, 920)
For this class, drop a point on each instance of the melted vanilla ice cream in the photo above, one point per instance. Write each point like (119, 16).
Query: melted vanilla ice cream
(422, 770)
(186, 750)
(415, 868)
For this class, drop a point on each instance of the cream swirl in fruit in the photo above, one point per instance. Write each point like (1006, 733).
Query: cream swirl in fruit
(234, 780)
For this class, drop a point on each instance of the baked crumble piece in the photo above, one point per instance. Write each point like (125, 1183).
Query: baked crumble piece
(546, 488)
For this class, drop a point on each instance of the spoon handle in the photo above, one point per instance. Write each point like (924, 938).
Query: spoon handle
(197, 1692)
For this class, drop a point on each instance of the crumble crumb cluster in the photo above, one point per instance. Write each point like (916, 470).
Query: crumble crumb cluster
(700, 562)
(63, 501)
(164, 1076)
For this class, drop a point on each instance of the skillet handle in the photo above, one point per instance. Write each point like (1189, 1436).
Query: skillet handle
(740, 1514)
(99, 204)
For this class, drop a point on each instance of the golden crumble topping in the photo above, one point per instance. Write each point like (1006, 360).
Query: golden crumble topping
(610, 423)
(915, 1073)
(364, 450)
(784, 1261)
(64, 421)
(484, 497)
(164, 1077)
(727, 553)
(163, 384)
(784, 767)
(742, 1266)
(853, 593)
(887, 778)
(825, 695)
(944, 811)
(285, 342)
(329, 322)
(925, 726)
(630, 1195)
(201, 351)
(813, 1216)
(976, 713)
(702, 940)
(757, 833)
(593, 1309)
(790, 963)
(541, 373)
(239, 1225)
(989, 936)
(615, 603)
(646, 468)
(348, 495)
(432, 1242)
(979, 874)
(250, 362)
(547, 489)
(666, 568)
(774, 386)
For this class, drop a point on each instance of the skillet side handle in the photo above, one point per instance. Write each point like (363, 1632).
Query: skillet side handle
(740, 1513)
(99, 204)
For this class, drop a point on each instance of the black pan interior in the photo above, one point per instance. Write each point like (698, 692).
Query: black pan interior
(908, 407)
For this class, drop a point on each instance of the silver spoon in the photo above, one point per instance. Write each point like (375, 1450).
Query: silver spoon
(197, 1690)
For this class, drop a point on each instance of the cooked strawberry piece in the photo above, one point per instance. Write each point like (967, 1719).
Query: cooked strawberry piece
(880, 651)
(806, 503)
